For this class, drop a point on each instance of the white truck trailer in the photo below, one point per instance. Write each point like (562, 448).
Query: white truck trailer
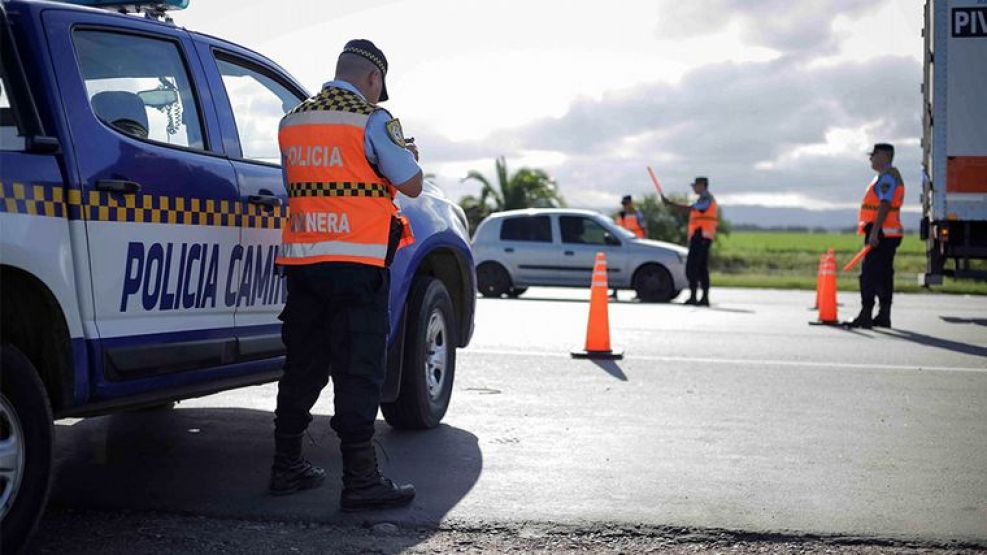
(954, 142)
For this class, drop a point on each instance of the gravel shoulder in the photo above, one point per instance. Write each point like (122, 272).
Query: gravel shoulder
(119, 533)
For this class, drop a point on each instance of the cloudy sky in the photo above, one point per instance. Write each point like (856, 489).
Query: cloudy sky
(776, 101)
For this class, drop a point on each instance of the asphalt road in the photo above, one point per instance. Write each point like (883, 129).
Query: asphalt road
(739, 417)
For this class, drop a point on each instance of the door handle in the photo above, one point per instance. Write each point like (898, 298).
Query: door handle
(270, 201)
(509, 249)
(569, 253)
(118, 186)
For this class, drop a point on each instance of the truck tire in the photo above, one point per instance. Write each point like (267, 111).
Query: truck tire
(26, 431)
(429, 364)
(653, 284)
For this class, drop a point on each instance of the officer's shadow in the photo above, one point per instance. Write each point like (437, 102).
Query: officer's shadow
(216, 463)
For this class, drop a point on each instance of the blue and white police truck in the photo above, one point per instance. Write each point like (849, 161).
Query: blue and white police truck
(141, 201)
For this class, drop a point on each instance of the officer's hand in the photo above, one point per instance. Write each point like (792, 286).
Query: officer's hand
(663, 199)
(873, 240)
(413, 148)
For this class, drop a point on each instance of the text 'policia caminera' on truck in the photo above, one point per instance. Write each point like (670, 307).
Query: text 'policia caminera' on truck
(187, 276)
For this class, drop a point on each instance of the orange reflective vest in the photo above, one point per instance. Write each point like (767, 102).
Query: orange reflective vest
(706, 221)
(868, 209)
(631, 222)
(339, 208)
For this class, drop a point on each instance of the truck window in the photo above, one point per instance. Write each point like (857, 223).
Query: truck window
(258, 102)
(10, 135)
(139, 86)
(527, 228)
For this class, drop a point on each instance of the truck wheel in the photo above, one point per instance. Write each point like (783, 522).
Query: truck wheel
(653, 284)
(25, 448)
(492, 280)
(429, 364)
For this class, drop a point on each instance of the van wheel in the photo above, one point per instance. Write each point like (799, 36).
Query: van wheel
(25, 448)
(492, 280)
(429, 364)
(516, 292)
(653, 284)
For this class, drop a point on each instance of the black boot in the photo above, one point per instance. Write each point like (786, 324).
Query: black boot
(363, 486)
(883, 318)
(290, 472)
(863, 320)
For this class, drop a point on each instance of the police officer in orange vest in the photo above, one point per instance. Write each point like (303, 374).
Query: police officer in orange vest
(631, 219)
(880, 224)
(344, 160)
(703, 221)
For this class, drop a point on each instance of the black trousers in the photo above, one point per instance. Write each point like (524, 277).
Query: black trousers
(697, 263)
(335, 323)
(877, 273)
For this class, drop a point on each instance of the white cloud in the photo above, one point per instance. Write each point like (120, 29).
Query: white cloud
(775, 100)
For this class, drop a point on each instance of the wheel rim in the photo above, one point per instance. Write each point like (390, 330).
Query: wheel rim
(436, 354)
(12, 449)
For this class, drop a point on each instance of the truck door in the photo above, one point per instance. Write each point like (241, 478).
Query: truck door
(251, 99)
(159, 200)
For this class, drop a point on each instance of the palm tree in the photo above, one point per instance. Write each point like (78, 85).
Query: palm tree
(527, 188)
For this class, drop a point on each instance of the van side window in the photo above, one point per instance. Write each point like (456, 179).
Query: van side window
(258, 102)
(140, 86)
(11, 137)
(527, 228)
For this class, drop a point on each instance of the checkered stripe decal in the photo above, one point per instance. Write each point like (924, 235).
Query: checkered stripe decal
(337, 189)
(102, 206)
(338, 100)
(36, 200)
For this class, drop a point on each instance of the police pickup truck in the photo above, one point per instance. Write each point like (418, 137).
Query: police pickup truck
(141, 201)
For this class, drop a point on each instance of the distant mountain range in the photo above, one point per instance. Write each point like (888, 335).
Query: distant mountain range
(767, 217)
(771, 217)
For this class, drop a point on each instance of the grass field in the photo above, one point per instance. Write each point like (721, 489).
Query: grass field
(790, 260)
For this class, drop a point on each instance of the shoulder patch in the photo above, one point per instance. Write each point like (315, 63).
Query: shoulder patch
(395, 132)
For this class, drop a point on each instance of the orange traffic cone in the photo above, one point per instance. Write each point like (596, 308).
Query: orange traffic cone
(598, 329)
(827, 291)
(819, 276)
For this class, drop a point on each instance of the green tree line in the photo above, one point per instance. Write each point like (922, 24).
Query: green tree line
(535, 188)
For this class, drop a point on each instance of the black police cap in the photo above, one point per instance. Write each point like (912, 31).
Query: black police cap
(883, 147)
(366, 49)
(626, 199)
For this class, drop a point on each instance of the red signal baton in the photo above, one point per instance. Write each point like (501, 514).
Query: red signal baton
(651, 172)
(856, 259)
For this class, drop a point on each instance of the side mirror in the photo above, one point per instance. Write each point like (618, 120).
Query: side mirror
(611, 240)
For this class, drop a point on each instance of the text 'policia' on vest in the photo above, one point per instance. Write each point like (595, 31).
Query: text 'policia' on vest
(706, 221)
(872, 203)
(339, 208)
